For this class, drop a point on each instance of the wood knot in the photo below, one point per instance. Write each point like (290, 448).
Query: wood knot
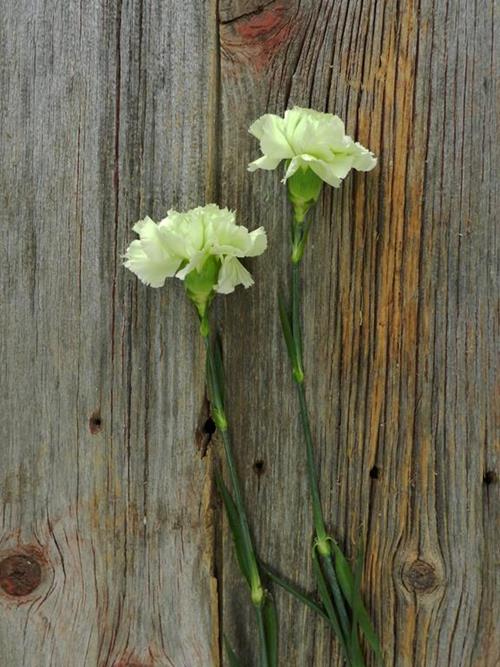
(255, 38)
(20, 575)
(421, 577)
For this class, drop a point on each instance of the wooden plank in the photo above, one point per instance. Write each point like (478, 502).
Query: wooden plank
(103, 118)
(399, 294)
(111, 110)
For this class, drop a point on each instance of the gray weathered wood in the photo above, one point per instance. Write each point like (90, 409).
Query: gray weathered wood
(110, 109)
(102, 120)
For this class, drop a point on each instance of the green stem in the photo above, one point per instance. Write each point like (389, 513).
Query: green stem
(296, 329)
(264, 660)
(257, 590)
(299, 236)
(319, 522)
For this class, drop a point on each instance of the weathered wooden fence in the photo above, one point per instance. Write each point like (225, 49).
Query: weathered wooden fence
(113, 546)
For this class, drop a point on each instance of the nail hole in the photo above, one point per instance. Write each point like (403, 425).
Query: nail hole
(490, 477)
(19, 575)
(375, 472)
(209, 426)
(95, 423)
(259, 466)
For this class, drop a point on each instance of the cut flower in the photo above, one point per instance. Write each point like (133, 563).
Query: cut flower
(309, 139)
(182, 243)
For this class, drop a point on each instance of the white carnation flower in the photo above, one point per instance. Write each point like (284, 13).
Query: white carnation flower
(309, 139)
(183, 242)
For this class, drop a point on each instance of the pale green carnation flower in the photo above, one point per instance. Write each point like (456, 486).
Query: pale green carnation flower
(309, 139)
(183, 242)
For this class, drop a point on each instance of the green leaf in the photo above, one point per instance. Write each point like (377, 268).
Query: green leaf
(287, 329)
(263, 653)
(344, 574)
(271, 630)
(338, 598)
(234, 524)
(351, 587)
(209, 379)
(219, 366)
(291, 345)
(231, 655)
(359, 609)
(355, 647)
(293, 590)
(327, 603)
(357, 657)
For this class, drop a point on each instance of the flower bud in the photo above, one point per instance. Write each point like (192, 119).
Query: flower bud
(304, 188)
(200, 284)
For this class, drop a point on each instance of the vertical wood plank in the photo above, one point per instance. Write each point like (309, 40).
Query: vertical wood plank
(102, 119)
(399, 293)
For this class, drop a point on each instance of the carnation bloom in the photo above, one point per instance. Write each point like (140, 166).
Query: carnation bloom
(309, 139)
(183, 244)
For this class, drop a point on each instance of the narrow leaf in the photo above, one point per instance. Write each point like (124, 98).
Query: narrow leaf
(209, 380)
(219, 366)
(338, 598)
(344, 574)
(327, 603)
(293, 590)
(359, 610)
(263, 653)
(354, 645)
(271, 630)
(234, 524)
(231, 655)
(287, 331)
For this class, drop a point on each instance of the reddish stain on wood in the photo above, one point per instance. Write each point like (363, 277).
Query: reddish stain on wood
(261, 24)
(131, 659)
(257, 38)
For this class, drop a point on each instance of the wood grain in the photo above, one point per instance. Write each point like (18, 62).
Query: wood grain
(110, 109)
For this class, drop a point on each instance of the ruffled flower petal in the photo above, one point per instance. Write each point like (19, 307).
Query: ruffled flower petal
(309, 139)
(265, 162)
(270, 130)
(149, 271)
(184, 243)
(258, 242)
(364, 160)
(327, 173)
(232, 274)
